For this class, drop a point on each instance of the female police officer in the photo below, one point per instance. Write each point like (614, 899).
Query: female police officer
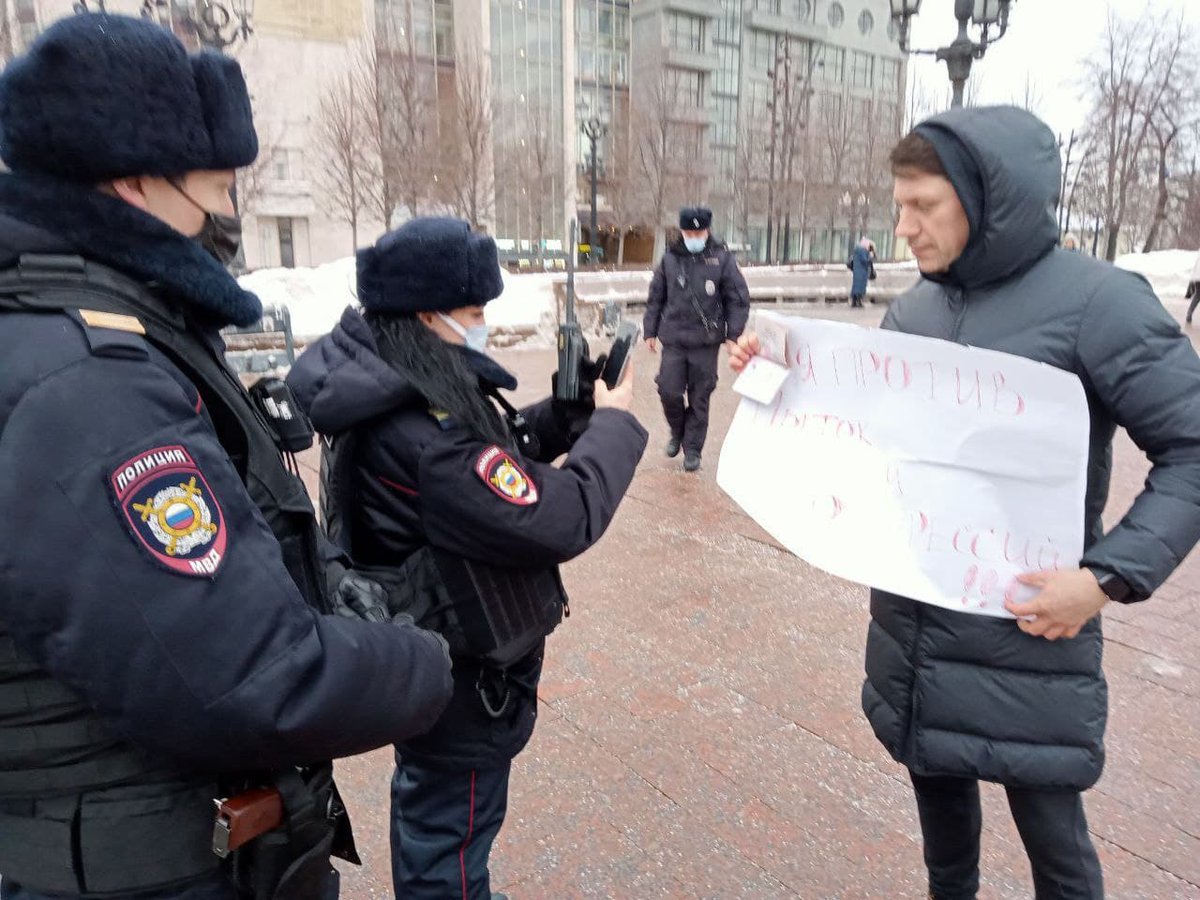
(456, 508)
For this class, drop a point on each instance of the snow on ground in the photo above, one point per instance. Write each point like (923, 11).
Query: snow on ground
(316, 297)
(1168, 271)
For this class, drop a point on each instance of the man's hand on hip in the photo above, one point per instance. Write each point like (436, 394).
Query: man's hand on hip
(652, 344)
(1067, 600)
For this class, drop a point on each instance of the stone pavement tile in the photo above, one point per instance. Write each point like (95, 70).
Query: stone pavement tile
(586, 860)
(1170, 629)
(1139, 638)
(1175, 676)
(365, 784)
(1144, 835)
(1129, 877)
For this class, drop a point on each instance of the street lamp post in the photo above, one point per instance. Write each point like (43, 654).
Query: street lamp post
(962, 51)
(593, 130)
(218, 25)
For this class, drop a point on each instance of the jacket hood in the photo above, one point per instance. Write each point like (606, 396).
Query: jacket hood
(341, 380)
(1018, 163)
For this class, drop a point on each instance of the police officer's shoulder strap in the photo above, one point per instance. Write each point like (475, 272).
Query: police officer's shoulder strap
(101, 302)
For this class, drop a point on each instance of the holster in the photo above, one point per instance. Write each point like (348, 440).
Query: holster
(290, 861)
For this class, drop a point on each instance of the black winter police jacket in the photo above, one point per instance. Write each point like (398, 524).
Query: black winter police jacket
(135, 570)
(420, 482)
(690, 289)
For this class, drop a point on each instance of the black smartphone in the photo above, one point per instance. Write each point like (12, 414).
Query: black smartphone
(620, 352)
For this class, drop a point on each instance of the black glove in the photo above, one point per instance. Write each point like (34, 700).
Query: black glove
(358, 597)
(572, 416)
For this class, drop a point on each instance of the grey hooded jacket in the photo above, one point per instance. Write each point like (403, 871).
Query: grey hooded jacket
(973, 696)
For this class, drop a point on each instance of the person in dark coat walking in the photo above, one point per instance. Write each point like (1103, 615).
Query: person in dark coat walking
(166, 633)
(698, 300)
(860, 264)
(1022, 702)
(460, 512)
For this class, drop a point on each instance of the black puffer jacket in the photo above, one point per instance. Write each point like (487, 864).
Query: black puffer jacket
(687, 286)
(951, 693)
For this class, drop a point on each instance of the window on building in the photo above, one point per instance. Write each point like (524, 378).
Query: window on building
(606, 22)
(287, 243)
(804, 11)
(29, 32)
(686, 87)
(889, 73)
(280, 165)
(862, 69)
(686, 32)
(586, 18)
(837, 15)
(768, 6)
(443, 19)
(587, 65)
(620, 68)
(835, 64)
(762, 51)
(866, 22)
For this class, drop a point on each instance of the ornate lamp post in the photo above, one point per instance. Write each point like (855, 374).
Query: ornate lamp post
(958, 56)
(217, 24)
(593, 129)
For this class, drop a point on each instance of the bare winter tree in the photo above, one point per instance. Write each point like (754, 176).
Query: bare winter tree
(254, 181)
(536, 154)
(342, 141)
(407, 118)
(620, 185)
(837, 130)
(372, 93)
(1137, 87)
(652, 153)
(467, 176)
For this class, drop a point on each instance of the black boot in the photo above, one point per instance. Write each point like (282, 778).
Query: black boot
(672, 448)
(691, 461)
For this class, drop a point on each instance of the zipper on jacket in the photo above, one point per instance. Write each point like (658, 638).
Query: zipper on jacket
(958, 298)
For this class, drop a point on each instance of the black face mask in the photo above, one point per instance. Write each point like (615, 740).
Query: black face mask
(220, 236)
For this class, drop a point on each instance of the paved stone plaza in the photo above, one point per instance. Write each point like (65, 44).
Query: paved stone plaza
(700, 732)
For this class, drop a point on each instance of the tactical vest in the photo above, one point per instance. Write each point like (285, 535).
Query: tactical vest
(82, 811)
(496, 614)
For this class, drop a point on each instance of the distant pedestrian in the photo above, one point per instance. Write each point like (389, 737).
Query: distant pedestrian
(1193, 290)
(861, 265)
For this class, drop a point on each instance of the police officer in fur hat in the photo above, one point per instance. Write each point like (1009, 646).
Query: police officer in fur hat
(444, 492)
(167, 637)
(698, 300)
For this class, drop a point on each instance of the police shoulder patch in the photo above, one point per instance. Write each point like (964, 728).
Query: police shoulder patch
(170, 510)
(507, 480)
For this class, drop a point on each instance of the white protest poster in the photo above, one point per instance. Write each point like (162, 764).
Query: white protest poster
(918, 466)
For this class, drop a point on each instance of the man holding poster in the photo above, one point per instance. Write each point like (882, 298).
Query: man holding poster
(958, 696)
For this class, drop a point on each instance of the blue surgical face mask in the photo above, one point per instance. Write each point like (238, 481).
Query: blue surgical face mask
(475, 337)
(695, 245)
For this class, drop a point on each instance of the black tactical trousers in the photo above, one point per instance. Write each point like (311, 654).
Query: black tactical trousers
(443, 826)
(1052, 828)
(692, 370)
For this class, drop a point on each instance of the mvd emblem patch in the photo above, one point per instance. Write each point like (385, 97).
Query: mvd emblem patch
(171, 510)
(500, 472)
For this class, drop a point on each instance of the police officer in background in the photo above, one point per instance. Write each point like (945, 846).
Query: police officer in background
(162, 582)
(457, 509)
(698, 300)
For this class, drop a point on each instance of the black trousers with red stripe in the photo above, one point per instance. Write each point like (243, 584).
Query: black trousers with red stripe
(443, 826)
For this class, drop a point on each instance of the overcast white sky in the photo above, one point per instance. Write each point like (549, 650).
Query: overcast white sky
(1048, 41)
